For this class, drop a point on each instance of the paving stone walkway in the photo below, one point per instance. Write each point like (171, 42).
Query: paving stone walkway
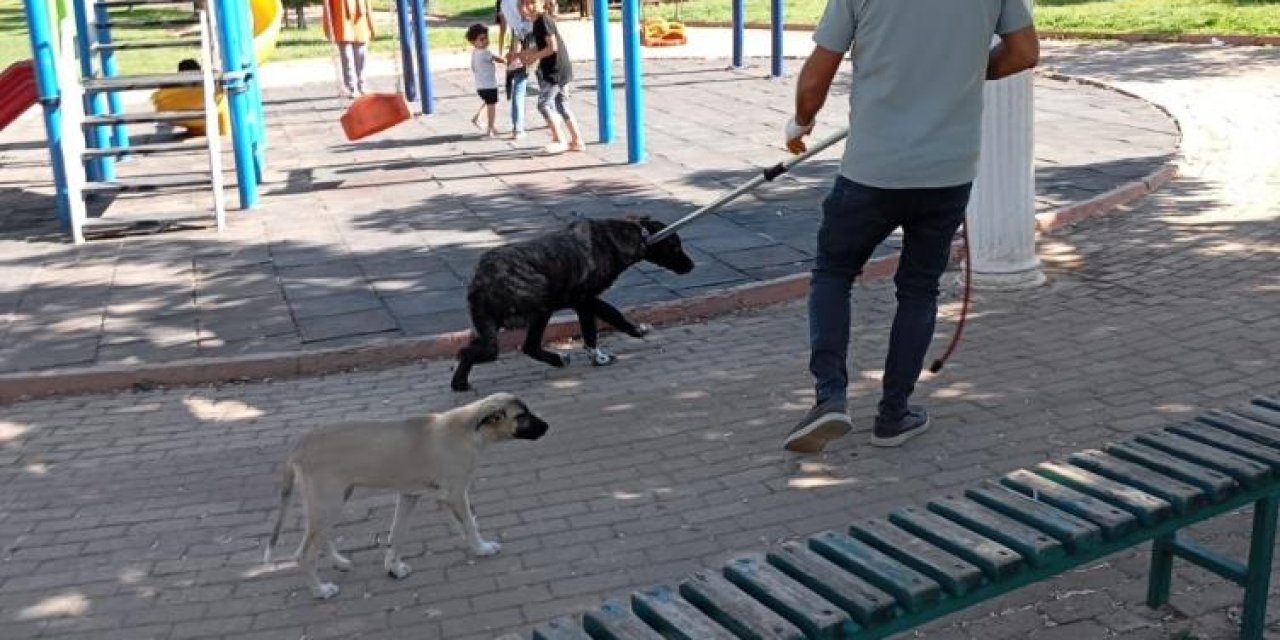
(140, 515)
(365, 241)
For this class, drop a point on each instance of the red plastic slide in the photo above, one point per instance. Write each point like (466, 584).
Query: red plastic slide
(17, 91)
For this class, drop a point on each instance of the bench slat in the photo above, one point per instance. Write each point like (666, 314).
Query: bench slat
(1075, 533)
(1247, 472)
(1265, 415)
(796, 602)
(673, 617)
(1219, 486)
(1148, 508)
(614, 620)
(1184, 497)
(1228, 441)
(996, 560)
(1244, 426)
(867, 604)
(1114, 521)
(561, 628)
(735, 610)
(1037, 547)
(913, 590)
(1269, 405)
(957, 575)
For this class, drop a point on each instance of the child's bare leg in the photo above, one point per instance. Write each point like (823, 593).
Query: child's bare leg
(557, 135)
(491, 111)
(575, 136)
(475, 120)
(546, 96)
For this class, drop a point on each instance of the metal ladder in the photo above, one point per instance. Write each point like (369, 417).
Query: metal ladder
(110, 125)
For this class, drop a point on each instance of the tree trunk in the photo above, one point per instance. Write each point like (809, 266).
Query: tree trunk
(300, 16)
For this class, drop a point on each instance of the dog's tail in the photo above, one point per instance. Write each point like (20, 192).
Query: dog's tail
(286, 492)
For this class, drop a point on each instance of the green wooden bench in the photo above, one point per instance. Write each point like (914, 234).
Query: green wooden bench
(885, 576)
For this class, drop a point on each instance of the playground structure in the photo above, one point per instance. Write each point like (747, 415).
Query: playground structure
(79, 84)
(266, 30)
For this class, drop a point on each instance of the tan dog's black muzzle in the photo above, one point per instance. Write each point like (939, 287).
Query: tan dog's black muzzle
(530, 427)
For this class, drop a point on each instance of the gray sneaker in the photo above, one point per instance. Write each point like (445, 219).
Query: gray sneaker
(892, 433)
(821, 425)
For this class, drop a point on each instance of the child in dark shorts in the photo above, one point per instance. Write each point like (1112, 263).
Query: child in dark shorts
(483, 68)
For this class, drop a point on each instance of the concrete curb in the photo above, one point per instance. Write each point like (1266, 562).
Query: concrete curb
(1185, 38)
(396, 352)
(1062, 34)
(1052, 221)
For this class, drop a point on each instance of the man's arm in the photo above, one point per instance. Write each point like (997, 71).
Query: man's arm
(1017, 51)
(815, 82)
(811, 90)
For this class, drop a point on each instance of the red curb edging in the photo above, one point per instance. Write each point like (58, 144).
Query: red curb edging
(402, 351)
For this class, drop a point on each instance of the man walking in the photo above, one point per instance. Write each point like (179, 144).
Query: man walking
(910, 159)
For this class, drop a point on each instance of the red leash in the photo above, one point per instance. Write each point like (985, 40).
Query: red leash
(964, 308)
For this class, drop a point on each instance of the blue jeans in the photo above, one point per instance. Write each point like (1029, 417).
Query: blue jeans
(516, 90)
(855, 219)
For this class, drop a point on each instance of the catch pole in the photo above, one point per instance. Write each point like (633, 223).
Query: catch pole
(767, 175)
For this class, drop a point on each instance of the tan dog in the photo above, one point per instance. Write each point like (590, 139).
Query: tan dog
(438, 452)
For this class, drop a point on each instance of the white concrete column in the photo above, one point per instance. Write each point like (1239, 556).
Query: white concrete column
(1001, 215)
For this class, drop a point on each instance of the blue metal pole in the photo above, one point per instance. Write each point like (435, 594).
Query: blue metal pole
(406, 51)
(632, 74)
(242, 133)
(99, 136)
(422, 47)
(777, 19)
(254, 86)
(739, 31)
(110, 69)
(43, 53)
(604, 70)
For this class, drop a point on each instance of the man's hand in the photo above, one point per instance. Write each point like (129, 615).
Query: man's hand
(811, 92)
(795, 133)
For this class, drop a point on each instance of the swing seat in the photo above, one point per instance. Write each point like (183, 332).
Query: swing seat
(372, 113)
(662, 33)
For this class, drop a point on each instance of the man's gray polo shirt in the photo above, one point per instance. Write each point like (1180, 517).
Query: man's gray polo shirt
(918, 70)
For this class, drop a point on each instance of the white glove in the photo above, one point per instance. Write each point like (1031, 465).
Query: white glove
(794, 133)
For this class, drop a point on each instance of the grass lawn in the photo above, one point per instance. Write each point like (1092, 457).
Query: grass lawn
(1246, 17)
(293, 44)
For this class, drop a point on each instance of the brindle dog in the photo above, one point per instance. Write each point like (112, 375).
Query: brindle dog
(524, 283)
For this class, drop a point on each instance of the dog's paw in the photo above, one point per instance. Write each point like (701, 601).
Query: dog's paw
(341, 563)
(564, 360)
(643, 329)
(399, 569)
(324, 590)
(460, 385)
(486, 548)
(601, 358)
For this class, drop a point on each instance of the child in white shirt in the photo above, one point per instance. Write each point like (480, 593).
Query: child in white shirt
(486, 75)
